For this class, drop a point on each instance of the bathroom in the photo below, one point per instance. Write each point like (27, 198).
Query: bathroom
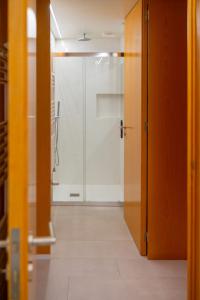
(88, 116)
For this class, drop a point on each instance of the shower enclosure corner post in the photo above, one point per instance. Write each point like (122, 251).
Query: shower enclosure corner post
(84, 127)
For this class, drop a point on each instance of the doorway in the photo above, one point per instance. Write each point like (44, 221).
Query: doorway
(88, 138)
(122, 282)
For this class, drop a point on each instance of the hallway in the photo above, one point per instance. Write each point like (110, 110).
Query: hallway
(95, 259)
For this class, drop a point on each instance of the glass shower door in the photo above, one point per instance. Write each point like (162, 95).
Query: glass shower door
(68, 166)
(104, 144)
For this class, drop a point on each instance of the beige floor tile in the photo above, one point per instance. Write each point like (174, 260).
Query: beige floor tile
(52, 290)
(85, 228)
(63, 268)
(95, 249)
(114, 212)
(84, 289)
(133, 268)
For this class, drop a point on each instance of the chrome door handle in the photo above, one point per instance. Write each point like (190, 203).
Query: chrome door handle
(43, 241)
(3, 244)
(37, 241)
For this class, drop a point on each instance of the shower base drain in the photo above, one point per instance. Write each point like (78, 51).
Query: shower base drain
(74, 195)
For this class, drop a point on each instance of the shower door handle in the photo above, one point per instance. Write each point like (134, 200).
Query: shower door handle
(123, 129)
(43, 241)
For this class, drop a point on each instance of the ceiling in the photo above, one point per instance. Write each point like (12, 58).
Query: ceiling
(91, 16)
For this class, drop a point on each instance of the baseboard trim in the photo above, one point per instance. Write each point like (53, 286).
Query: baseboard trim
(80, 203)
(43, 256)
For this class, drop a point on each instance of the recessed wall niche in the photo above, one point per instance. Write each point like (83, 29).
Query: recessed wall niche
(109, 105)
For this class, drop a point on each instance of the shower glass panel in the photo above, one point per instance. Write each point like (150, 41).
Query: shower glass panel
(69, 134)
(88, 147)
(104, 145)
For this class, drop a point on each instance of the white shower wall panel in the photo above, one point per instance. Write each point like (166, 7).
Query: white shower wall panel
(69, 91)
(103, 143)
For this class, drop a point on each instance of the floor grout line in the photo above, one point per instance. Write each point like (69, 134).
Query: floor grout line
(118, 269)
(68, 287)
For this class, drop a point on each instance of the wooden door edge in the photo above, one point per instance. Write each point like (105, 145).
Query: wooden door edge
(192, 143)
(144, 130)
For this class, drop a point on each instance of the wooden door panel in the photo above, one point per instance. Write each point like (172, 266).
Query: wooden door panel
(18, 143)
(167, 151)
(43, 124)
(21, 182)
(134, 209)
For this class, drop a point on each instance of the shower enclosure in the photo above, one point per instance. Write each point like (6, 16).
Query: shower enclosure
(87, 136)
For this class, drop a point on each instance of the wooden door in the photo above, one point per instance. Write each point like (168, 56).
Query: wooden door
(167, 140)
(135, 119)
(43, 121)
(193, 150)
(21, 142)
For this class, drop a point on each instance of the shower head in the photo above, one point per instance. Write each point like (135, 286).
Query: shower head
(84, 38)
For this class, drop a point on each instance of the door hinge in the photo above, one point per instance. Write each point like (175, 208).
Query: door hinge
(146, 126)
(147, 14)
(146, 237)
(193, 165)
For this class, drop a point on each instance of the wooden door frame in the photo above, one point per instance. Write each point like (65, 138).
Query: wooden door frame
(3, 117)
(193, 155)
(18, 141)
(3, 39)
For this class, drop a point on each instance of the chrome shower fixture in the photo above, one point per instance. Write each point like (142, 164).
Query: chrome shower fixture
(84, 38)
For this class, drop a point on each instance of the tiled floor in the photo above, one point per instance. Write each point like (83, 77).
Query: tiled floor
(95, 258)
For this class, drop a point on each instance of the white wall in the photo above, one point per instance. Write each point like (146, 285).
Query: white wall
(32, 118)
(95, 45)
(53, 42)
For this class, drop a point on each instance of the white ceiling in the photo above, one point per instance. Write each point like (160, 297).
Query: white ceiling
(91, 16)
